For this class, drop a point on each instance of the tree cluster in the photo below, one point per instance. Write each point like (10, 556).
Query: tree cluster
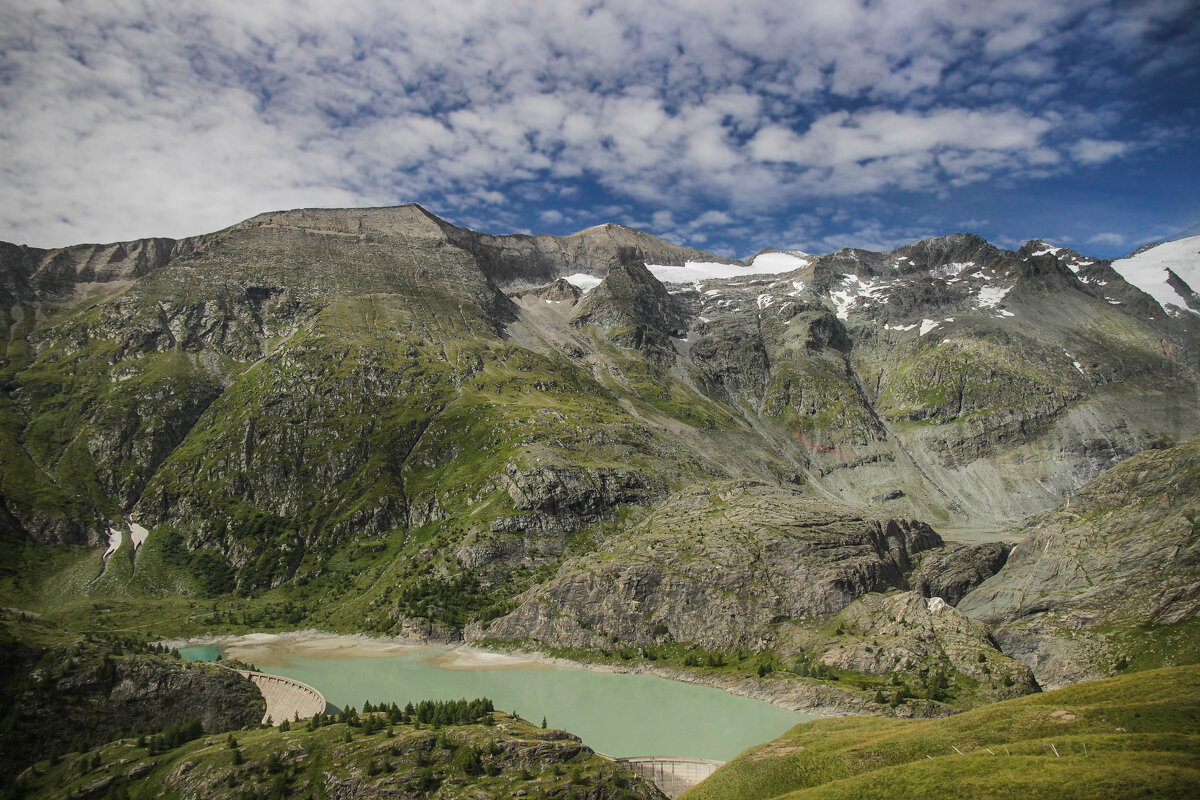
(173, 736)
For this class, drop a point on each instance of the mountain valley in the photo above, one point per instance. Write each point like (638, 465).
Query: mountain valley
(898, 484)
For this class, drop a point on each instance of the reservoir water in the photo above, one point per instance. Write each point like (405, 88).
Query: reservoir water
(616, 714)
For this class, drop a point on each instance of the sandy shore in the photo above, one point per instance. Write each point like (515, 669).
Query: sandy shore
(277, 650)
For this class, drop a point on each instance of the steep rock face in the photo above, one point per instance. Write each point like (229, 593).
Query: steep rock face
(776, 353)
(28, 273)
(1016, 374)
(1098, 278)
(966, 381)
(952, 572)
(1124, 551)
(313, 350)
(718, 566)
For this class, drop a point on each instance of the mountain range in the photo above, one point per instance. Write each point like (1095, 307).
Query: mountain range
(605, 441)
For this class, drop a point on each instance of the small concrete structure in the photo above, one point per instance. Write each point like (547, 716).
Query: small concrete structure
(673, 776)
(286, 698)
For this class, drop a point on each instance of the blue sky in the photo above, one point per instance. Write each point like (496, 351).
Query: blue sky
(725, 126)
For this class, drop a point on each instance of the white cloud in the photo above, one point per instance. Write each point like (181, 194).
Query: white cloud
(842, 137)
(1094, 151)
(1108, 239)
(126, 118)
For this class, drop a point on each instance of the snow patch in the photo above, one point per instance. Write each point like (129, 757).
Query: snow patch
(138, 534)
(1003, 313)
(927, 325)
(696, 271)
(765, 301)
(114, 542)
(953, 268)
(1049, 249)
(887, 327)
(1078, 366)
(856, 289)
(990, 296)
(584, 281)
(775, 263)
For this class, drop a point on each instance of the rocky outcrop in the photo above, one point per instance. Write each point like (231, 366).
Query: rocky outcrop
(577, 491)
(908, 633)
(634, 307)
(718, 566)
(952, 572)
(76, 693)
(1123, 552)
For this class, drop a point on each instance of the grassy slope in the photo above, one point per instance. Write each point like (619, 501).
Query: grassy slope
(1140, 732)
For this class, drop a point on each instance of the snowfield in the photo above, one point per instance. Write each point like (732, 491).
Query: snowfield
(700, 271)
(583, 281)
(1148, 271)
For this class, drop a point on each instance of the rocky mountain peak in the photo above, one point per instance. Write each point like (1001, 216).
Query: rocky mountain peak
(633, 304)
(942, 251)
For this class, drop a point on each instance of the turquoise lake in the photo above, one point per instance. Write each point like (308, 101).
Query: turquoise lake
(615, 714)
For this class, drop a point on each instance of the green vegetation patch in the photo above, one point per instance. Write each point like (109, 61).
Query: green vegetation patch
(1131, 736)
(459, 749)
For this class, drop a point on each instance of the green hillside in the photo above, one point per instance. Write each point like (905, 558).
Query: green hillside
(1133, 736)
(493, 755)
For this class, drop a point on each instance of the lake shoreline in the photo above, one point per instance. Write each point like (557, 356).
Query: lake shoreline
(614, 711)
(817, 699)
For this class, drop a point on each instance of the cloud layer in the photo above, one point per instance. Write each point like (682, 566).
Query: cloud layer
(704, 120)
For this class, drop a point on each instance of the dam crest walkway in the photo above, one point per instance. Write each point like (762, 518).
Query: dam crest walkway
(286, 698)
